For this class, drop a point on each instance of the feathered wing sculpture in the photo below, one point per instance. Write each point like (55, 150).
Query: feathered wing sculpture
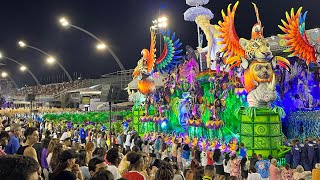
(148, 63)
(228, 34)
(170, 55)
(295, 35)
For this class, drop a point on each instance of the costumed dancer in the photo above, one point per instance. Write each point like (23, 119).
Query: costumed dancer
(311, 154)
(304, 155)
(295, 150)
(288, 155)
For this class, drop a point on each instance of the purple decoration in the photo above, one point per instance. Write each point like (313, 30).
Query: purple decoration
(191, 13)
(197, 2)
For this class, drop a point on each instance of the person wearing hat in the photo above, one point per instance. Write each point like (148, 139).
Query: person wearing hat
(67, 167)
(66, 143)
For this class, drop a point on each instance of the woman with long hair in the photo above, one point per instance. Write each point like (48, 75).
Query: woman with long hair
(67, 167)
(53, 158)
(235, 166)
(165, 172)
(218, 159)
(226, 166)
(83, 164)
(244, 164)
(52, 142)
(32, 136)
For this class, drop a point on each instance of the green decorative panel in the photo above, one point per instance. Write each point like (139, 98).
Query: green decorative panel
(261, 130)
(260, 119)
(246, 129)
(245, 119)
(248, 141)
(275, 129)
(261, 134)
(276, 141)
(261, 142)
(274, 119)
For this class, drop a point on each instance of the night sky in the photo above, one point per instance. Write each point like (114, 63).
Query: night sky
(123, 25)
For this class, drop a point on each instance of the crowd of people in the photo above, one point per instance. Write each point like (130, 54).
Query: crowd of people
(36, 150)
(49, 89)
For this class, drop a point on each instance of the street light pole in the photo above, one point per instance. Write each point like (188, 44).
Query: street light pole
(101, 45)
(22, 44)
(13, 60)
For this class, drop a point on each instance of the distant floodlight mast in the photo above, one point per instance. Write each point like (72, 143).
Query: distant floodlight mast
(21, 67)
(50, 59)
(101, 46)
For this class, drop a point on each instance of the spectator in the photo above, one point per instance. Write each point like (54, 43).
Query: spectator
(4, 139)
(199, 173)
(253, 159)
(136, 165)
(177, 173)
(244, 164)
(67, 168)
(235, 166)
(253, 175)
(165, 172)
(54, 157)
(83, 164)
(185, 155)
(32, 136)
(316, 172)
(243, 151)
(263, 167)
(208, 172)
(113, 159)
(218, 159)
(204, 158)
(18, 167)
(226, 166)
(274, 171)
(44, 163)
(300, 173)
(15, 133)
(190, 173)
(95, 165)
(286, 172)
(103, 174)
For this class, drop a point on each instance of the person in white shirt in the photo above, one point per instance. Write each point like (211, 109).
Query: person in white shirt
(226, 166)
(253, 175)
(113, 158)
(204, 159)
(128, 142)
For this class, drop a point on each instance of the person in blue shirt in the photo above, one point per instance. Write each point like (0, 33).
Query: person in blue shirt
(83, 135)
(263, 167)
(157, 146)
(15, 133)
(243, 151)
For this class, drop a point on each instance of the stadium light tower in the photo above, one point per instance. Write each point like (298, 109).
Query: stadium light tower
(50, 59)
(22, 67)
(5, 75)
(159, 24)
(101, 46)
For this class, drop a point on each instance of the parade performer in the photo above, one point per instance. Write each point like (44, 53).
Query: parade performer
(254, 56)
(213, 48)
